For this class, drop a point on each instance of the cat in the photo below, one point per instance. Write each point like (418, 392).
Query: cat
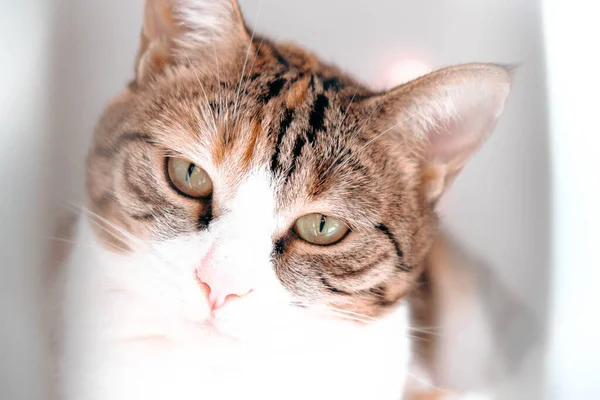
(257, 220)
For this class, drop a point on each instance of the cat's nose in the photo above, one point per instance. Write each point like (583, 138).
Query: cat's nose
(220, 289)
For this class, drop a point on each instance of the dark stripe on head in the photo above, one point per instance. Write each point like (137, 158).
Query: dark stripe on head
(317, 116)
(334, 83)
(280, 59)
(274, 88)
(122, 141)
(300, 142)
(286, 121)
(390, 236)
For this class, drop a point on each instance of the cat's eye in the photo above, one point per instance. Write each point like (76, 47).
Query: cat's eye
(188, 178)
(320, 229)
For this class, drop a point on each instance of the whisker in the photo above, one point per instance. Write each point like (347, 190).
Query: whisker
(339, 310)
(214, 118)
(237, 96)
(73, 242)
(349, 315)
(219, 81)
(353, 316)
(427, 383)
(350, 104)
(262, 40)
(387, 130)
(364, 124)
(163, 278)
(429, 331)
(124, 234)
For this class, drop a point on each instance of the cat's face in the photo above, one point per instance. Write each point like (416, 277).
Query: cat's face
(247, 172)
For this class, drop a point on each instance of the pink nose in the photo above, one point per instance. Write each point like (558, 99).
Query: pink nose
(220, 289)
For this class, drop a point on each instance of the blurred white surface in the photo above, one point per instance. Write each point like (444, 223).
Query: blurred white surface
(572, 33)
(25, 133)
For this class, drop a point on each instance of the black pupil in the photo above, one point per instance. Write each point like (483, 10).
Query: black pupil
(190, 171)
(322, 224)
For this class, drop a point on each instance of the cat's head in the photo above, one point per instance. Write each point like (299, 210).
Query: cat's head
(247, 169)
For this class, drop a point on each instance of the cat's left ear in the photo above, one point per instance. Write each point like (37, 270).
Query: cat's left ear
(176, 31)
(445, 116)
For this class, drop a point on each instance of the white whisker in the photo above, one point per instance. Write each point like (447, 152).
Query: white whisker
(73, 242)
(387, 130)
(165, 278)
(349, 105)
(426, 383)
(221, 106)
(262, 40)
(237, 96)
(214, 118)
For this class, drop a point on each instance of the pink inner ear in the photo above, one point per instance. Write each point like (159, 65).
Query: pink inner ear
(454, 141)
(454, 137)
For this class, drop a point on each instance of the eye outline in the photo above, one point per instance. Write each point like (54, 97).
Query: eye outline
(179, 191)
(341, 239)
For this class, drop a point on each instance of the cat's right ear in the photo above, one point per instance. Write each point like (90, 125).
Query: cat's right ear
(176, 31)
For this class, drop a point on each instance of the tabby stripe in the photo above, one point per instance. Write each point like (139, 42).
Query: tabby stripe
(378, 290)
(143, 217)
(316, 121)
(112, 150)
(380, 259)
(286, 121)
(300, 142)
(153, 198)
(274, 90)
(317, 116)
(386, 232)
(404, 268)
(280, 59)
(329, 286)
(332, 83)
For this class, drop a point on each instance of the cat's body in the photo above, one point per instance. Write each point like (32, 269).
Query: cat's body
(257, 220)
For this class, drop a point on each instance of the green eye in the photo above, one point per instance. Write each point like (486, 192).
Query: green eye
(320, 229)
(188, 178)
